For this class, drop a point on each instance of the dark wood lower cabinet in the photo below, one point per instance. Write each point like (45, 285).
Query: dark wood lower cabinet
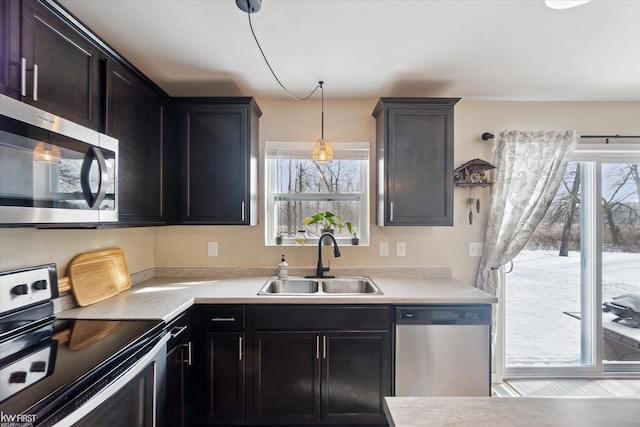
(291, 365)
(224, 375)
(286, 377)
(355, 376)
(178, 376)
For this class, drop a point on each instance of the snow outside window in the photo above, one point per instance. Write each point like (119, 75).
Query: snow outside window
(296, 189)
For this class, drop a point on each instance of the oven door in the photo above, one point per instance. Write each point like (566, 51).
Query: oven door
(135, 399)
(53, 170)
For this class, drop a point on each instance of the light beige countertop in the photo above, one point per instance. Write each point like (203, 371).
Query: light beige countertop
(511, 412)
(166, 297)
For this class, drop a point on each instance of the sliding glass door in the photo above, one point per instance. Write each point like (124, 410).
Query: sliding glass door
(586, 252)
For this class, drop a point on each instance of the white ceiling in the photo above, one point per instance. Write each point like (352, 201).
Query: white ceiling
(474, 49)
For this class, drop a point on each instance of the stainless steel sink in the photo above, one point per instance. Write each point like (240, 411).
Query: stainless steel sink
(350, 285)
(289, 286)
(304, 286)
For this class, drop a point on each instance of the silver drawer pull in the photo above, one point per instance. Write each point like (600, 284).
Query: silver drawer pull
(177, 330)
(223, 319)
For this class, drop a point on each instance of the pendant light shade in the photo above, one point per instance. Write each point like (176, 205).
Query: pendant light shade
(322, 152)
(47, 153)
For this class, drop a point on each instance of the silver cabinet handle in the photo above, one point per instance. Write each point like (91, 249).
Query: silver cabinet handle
(188, 347)
(324, 346)
(318, 347)
(23, 76)
(240, 348)
(35, 82)
(243, 212)
(223, 319)
(390, 211)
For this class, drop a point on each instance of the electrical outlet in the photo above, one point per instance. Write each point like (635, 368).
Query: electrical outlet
(384, 249)
(401, 249)
(476, 249)
(212, 249)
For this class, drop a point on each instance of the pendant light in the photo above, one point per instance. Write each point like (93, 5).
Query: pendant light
(322, 151)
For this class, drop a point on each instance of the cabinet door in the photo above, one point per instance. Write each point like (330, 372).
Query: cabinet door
(10, 48)
(215, 165)
(62, 67)
(134, 115)
(414, 138)
(177, 380)
(286, 385)
(224, 374)
(419, 165)
(355, 376)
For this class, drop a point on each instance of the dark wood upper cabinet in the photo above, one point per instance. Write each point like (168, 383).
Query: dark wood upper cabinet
(61, 67)
(135, 116)
(414, 144)
(218, 161)
(10, 48)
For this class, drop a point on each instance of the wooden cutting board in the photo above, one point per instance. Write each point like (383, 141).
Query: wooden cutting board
(97, 275)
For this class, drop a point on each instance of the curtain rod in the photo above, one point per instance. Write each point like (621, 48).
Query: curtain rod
(487, 136)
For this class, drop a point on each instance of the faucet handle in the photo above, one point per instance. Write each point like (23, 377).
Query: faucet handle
(328, 267)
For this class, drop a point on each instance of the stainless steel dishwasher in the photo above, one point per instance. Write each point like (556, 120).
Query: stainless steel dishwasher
(443, 350)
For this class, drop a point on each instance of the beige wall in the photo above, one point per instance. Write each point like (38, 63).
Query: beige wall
(345, 120)
(21, 247)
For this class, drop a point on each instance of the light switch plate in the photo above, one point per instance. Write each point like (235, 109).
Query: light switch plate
(212, 249)
(401, 249)
(384, 249)
(475, 249)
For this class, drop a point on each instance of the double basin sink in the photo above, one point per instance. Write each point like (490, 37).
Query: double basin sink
(323, 286)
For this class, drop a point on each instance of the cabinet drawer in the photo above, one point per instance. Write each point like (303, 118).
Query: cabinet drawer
(220, 318)
(324, 318)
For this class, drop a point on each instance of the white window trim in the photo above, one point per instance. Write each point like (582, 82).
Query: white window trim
(364, 231)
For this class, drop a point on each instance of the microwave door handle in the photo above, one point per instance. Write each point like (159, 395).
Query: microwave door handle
(94, 153)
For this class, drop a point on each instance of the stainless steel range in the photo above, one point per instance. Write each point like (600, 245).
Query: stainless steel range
(71, 372)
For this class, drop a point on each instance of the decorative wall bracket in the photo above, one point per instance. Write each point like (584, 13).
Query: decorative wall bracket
(472, 175)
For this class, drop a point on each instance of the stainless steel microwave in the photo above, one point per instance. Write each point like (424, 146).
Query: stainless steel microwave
(54, 171)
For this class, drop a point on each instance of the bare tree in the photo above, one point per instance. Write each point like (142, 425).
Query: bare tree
(574, 200)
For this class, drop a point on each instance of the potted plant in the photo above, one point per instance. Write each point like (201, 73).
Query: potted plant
(328, 222)
(354, 236)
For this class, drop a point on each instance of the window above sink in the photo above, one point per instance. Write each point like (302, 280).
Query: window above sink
(296, 189)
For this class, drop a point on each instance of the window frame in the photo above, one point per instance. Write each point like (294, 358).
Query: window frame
(271, 197)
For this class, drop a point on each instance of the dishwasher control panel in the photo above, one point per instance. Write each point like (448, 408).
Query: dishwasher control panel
(444, 315)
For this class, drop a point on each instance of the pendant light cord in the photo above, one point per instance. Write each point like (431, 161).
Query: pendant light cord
(320, 83)
(276, 77)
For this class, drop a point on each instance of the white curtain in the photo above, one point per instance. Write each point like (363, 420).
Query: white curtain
(529, 169)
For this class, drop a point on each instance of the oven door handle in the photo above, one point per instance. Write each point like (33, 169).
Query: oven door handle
(94, 153)
(111, 389)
